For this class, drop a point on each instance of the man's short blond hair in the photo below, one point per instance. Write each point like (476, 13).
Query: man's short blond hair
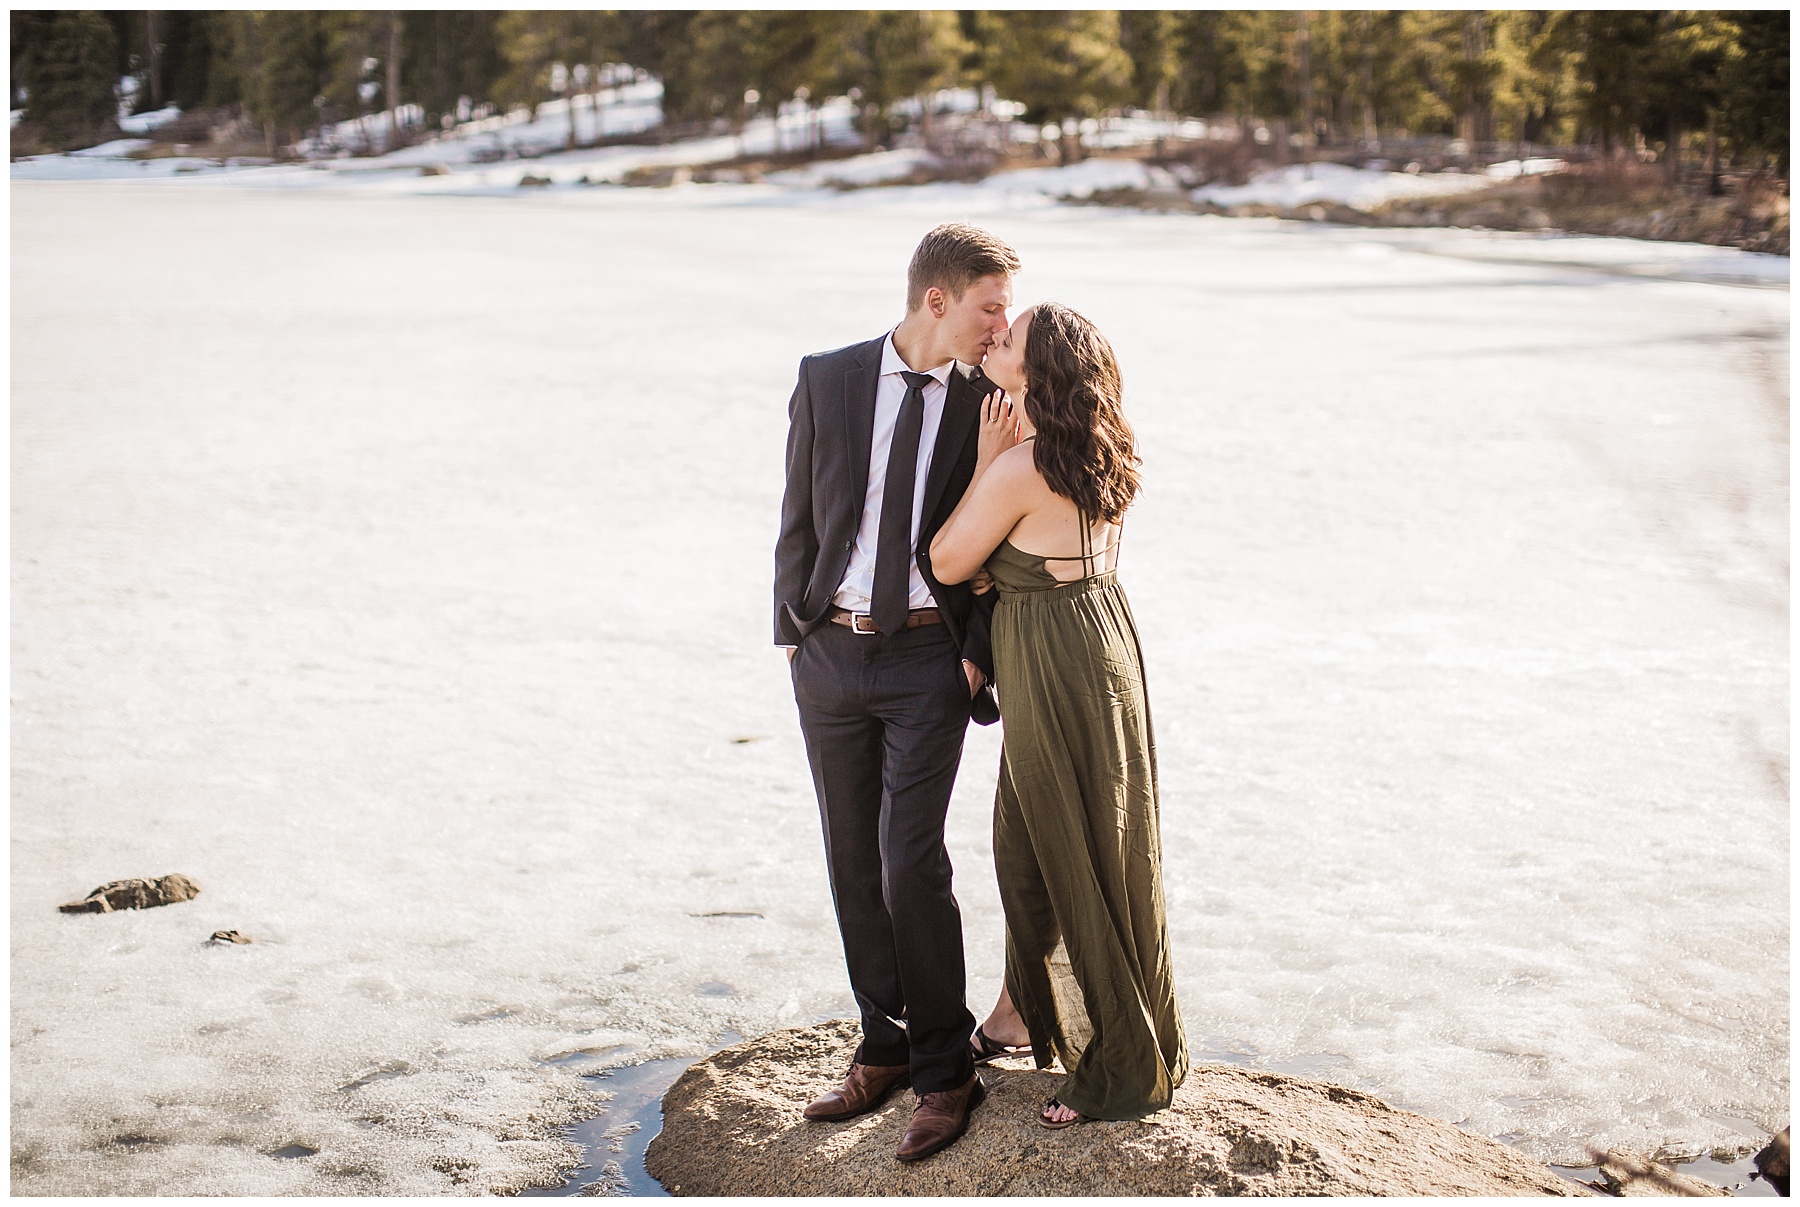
(953, 257)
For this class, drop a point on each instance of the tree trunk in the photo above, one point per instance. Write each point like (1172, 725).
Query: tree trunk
(155, 60)
(1071, 141)
(393, 81)
(1370, 132)
(1303, 52)
(1712, 154)
(1672, 151)
(1475, 122)
(437, 68)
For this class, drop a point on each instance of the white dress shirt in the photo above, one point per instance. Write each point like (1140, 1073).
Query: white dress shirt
(859, 575)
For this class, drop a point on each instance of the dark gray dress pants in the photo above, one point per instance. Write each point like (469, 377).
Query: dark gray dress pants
(884, 718)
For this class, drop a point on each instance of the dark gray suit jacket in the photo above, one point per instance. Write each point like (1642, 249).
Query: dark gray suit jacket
(831, 421)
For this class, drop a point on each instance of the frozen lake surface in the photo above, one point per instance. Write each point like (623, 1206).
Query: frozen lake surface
(398, 567)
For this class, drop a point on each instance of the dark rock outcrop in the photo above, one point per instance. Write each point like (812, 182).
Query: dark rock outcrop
(134, 894)
(1772, 1163)
(732, 1126)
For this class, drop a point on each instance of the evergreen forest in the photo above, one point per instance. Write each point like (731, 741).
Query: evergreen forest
(1711, 83)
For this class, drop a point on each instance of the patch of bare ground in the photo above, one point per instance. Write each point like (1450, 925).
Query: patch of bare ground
(1748, 211)
(1634, 201)
(220, 134)
(34, 138)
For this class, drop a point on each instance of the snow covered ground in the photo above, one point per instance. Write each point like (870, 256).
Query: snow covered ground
(1031, 186)
(629, 108)
(396, 566)
(501, 151)
(457, 166)
(1360, 188)
(143, 123)
(877, 167)
(117, 148)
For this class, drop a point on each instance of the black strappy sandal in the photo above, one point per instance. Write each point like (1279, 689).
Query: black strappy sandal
(985, 1049)
(1056, 1125)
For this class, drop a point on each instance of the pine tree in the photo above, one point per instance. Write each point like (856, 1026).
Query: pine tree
(67, 68)
(1474, 71)
(1615, 54)
(1534, 81)
(1148, 36)
(1753, 87)
(1682, 84)
(531, 43)
(1450, 60)
(786, 51)
(356, 50)
(1207, 69)
(194, 58)
(887, 55)
(1062, 66)
(705, 61)
(283, 61)
(1261, 46)
(450, 55)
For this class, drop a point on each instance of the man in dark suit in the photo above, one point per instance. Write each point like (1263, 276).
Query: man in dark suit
(889, 664)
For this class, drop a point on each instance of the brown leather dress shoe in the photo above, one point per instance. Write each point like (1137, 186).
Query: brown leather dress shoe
(863, 1090)
(940, 1119)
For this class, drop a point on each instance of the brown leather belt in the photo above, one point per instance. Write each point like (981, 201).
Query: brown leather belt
(862, 622)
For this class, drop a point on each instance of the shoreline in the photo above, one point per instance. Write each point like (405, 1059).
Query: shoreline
(1574, 199)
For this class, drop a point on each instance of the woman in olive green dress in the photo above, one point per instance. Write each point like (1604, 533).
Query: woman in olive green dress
(1077, 843)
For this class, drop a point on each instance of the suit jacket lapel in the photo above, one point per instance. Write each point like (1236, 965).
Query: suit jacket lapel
(962, 413)
(859, 418)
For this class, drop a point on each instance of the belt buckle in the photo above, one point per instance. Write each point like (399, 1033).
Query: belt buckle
(871, 631)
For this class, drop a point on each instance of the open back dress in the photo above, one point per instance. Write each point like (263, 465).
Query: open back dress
(1077, 841)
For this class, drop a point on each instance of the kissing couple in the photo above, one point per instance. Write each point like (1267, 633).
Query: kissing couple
(948, 551)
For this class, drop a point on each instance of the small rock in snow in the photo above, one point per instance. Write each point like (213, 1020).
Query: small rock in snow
(134, 894)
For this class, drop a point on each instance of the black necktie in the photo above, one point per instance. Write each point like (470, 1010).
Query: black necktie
(888, 602)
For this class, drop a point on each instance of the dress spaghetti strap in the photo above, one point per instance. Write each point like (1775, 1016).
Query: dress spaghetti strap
(1088, 555)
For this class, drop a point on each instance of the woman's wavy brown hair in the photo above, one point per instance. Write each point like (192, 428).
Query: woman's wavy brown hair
(1084, 447)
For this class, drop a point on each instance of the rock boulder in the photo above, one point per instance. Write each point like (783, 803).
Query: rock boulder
(732, 1126)
(1772, 1163)
(134, 894)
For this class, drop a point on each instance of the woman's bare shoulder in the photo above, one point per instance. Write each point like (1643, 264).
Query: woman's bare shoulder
(1016, 467)
(1014, 477)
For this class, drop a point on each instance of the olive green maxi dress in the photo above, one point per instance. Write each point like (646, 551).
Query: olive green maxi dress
(1077, 843)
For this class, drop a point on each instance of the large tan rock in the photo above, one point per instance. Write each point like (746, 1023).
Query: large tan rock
(732, 1125)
